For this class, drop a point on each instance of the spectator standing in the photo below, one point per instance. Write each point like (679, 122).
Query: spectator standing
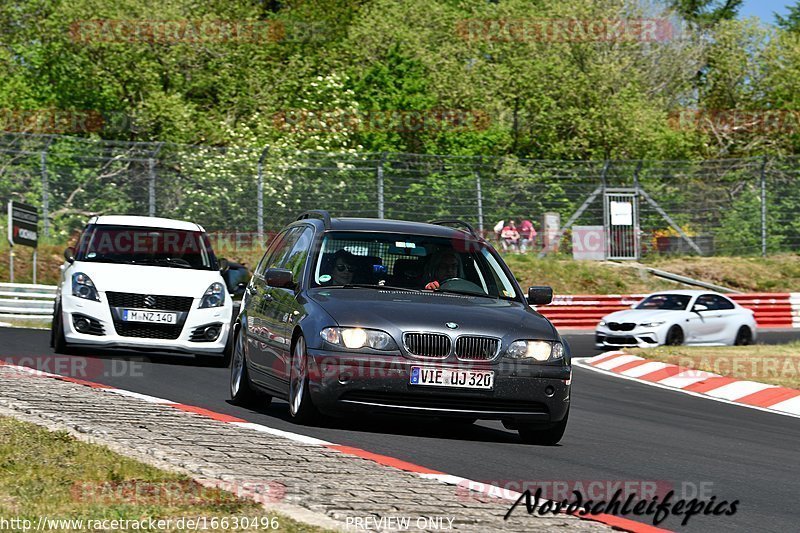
(527, 235)
(498, 230)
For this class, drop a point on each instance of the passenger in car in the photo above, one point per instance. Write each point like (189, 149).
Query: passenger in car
(443, 266)
(344, 267)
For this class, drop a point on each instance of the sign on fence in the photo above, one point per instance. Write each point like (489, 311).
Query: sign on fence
(588, 242)
(23, 229)
(23, 224)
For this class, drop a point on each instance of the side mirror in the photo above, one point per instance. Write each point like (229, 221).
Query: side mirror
(699, 307)
(223, 264)
(240, 288)
(540, 295)
(279, 277)
(69, 254)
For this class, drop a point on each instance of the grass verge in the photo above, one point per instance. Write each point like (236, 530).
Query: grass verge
(773, 364)
(25, 323)
(52, 474)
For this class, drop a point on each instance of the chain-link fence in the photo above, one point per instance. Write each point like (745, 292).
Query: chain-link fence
(723, 207)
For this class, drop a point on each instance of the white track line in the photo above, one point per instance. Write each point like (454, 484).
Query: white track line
(144, 397)
(296, 437)
(792, 409)
(641, 370)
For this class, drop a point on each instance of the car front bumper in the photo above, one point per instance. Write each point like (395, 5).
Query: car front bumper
(637, 338)
(523, 392)
(72, 306)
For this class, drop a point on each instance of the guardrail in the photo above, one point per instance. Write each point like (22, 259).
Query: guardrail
(577, 311)
(26, 301)
(584, 311)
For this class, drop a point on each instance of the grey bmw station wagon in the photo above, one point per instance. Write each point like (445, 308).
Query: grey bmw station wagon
(366, 315)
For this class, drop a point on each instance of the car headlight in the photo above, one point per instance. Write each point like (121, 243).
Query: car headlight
(601, 323)
(83, 287)
(537, 350)
(354, 338)
(652, 324)
(214, 296)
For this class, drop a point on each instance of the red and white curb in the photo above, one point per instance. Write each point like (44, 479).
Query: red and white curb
(484, 489)
(752, 394)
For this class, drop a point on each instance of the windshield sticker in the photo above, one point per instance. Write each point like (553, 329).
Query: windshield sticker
(323, 278)
(91, 254)
(401, 244)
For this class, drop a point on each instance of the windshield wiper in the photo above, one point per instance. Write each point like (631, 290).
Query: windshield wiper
(102, 259)
(370, 286)
(171, 262)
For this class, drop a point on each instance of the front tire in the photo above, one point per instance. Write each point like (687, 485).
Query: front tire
(59, 341)
(219, 361)
(532, 434)
(242, 391)
(300, 405)
(744, 337)
(674, 336)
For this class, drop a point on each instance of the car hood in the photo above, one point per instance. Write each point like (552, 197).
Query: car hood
(640, 316)
(168, 281)
(398, 311)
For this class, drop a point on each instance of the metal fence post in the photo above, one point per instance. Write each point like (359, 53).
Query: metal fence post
(151, 188)
(45, 189)
(151, 181)
(480, 201)
(764, 207)
(260, 195)
(379, 173)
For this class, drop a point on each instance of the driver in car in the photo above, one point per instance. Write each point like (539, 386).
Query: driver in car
(445, 265)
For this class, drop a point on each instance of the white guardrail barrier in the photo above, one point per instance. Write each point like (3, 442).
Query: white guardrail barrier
(27, 301)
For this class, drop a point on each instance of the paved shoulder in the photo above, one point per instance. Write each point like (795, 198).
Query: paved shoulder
(347, 489)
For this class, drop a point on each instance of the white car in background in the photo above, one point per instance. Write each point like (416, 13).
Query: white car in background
(678, 317)
(143, 283)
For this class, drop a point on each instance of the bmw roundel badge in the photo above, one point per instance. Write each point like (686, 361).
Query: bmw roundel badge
(451, 325)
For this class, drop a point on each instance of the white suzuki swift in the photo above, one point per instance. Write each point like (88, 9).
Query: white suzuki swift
(143, 283)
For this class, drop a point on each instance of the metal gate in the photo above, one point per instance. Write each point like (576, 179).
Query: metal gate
(621, 221)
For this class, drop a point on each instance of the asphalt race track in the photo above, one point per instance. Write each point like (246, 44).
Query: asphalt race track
(618, 430)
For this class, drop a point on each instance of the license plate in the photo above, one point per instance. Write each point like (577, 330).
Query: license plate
(156, 317)
(452, 377)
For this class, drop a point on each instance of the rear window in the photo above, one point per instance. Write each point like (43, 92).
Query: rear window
(136, 245)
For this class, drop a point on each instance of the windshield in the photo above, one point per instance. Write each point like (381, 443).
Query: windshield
(410, 262)
(673, 302)
(146, 246)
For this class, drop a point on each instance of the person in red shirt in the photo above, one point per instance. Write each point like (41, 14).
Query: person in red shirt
(510, 237)
(527, 234)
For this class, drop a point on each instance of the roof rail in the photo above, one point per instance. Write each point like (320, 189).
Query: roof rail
(456, 222)
(317, 213)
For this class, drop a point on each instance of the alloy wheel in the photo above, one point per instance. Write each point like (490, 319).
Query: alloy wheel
(298, 375)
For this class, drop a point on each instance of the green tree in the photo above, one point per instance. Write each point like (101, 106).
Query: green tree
(707, 12)
(791, 22)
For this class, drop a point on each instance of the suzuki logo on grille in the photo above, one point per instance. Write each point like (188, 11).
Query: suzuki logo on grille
(149, 301)
(451, 325)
